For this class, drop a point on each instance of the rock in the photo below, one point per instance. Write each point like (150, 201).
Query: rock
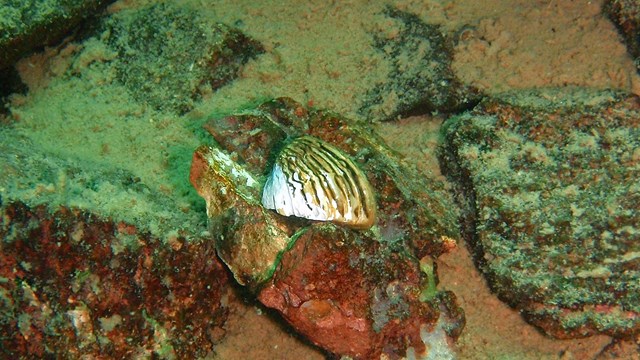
(353, 297)
(75, 284)
(625, 14)
(42, 160)
(551, 203)
(36, 176)
(421, 79)
(29, 25)
(169, 55)
(358, 293)
(97, 257)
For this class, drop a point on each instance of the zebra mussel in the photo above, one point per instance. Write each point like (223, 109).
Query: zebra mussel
(312, 179)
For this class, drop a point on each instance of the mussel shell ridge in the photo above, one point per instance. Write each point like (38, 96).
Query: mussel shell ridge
(312, 179)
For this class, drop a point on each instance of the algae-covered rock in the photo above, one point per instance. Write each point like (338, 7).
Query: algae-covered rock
(360, 293)
(34, 176)
(551, 205)
(82, 141)
(73, 283)
(26, 25)
(101, 251)
(169, 55)
(421, 79)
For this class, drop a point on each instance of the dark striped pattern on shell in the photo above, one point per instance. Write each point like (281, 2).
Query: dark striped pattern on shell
(314, 180)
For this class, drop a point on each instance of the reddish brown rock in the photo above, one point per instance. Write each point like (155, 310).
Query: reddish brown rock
(358, 293)
(73, 284)
(350, 295)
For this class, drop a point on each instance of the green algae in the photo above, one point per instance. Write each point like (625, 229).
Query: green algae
(429, 286)
(84, 141)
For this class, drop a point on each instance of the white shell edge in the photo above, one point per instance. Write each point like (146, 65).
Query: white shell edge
(289, 199)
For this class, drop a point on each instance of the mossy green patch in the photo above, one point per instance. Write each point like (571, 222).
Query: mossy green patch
(104, 135)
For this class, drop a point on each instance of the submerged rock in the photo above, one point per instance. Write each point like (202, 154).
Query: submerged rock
(359, 293)
(75, 285)
(421, 79)
(168, 55)
(551, 204)
(29, 25)
(99, 257)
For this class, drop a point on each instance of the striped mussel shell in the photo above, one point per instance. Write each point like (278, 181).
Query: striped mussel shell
(312, 179)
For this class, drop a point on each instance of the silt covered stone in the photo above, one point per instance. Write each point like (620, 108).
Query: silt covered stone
(420, 78)
(169, 55)
(551, 196)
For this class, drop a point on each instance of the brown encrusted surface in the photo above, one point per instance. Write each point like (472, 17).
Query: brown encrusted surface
(72, 284)
(551, 200)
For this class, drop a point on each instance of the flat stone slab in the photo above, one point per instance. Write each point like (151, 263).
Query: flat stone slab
(551, 205)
